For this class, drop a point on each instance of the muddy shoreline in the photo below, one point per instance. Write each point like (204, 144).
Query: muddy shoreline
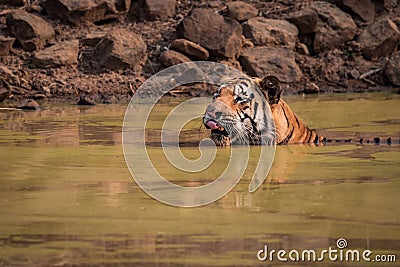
(105, 51)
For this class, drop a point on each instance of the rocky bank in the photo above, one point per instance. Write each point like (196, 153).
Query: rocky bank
(105, 49)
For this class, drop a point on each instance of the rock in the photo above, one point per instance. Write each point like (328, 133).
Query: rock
(159, 9)
(306, 20)
(221, 37)
(92, 38)
(397, 22)
(354, 74)
(334, 27)
(86, 101)
(61, 54)
(170, 57)
(247, 43)
(4, 93)
(120, 6)
(242, 11)
(5, 89)
(365, 11)
(120, 49)
(39, 96)
(34, 8)
(379, 39)
(190, 49)
(30, 105)
(110, 99)
(390, 4)
(6, 44)
(302, 49)
(7, 75)
(231, 62)
(30, 30)
(331, 67)
(87, 10)
(13, 2)
(271, 32)
(311, 88)
(192, 73)
(392, 70)
(262, 61)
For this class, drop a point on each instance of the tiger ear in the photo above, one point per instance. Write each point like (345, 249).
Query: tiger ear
(272, 87)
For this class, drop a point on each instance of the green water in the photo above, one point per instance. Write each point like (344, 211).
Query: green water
(68, 199)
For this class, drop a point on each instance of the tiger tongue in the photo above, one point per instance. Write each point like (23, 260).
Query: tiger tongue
(213, 125)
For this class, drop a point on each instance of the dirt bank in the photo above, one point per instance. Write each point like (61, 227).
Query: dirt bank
(105, 49)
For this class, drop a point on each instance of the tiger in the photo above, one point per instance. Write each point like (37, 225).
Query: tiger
(242, 113)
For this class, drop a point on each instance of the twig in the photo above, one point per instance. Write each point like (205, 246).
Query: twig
(131, 88)
(5, 12)
(10, 109)
(369, 73)
(223, 9)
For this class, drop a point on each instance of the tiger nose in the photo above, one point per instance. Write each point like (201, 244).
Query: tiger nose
(214, 114)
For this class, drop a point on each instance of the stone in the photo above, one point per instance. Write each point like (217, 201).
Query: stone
(263, 61)
(5, 88)
(159, 9)
(354, 74)
(190, 49)
(389, 5)
(220, 36)
(13, 2)
(85, 101)
(30, 30)
(231, 62)
(270, 32)
(392, 70)
(397, 22)
(170, 57)
(34, 8)
(120, 49)
(30, 104)
(6, 44)
(8, 76)
(379, 39)
(4, 92)
(192, 73)
(331, 67)
(311, 88)
(306, 20)
(247, 43)
(120, 6)
(242, 11)
(365, 11)
(39, 96)
(334, 27)
(85, 11)
(92, 38)
(61, 54)
(302, 49)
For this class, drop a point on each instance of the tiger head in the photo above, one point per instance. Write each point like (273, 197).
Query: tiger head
(240, 114)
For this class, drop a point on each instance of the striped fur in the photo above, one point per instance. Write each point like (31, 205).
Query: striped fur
(242, 113)
(290, 129)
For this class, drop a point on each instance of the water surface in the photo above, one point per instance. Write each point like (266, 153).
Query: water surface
(67, 197)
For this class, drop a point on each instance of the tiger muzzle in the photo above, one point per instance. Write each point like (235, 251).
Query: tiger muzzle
(218, 133)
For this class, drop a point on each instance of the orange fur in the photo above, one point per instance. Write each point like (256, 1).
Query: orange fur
(289, 128)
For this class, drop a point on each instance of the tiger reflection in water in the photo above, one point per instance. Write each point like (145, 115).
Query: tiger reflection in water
(251, 111)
